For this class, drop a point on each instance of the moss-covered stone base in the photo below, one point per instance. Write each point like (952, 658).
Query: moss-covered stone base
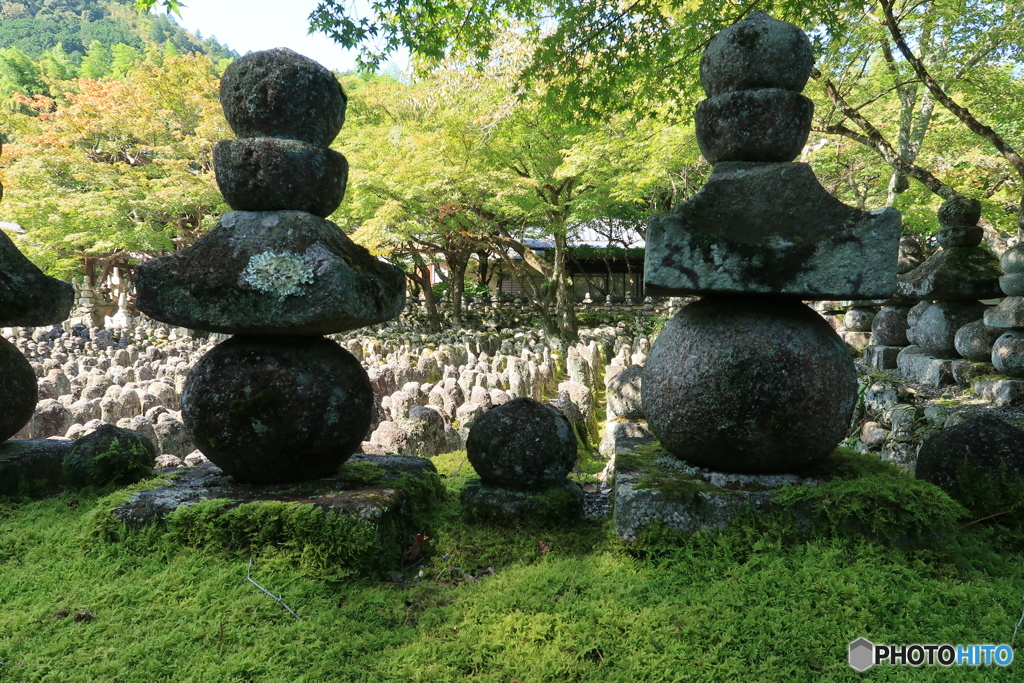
(32, 467)
(1002, 391)
(847, 493)
(553, 506)
(357, 522)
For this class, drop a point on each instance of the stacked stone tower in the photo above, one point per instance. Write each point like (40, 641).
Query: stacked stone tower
(749, 379)
(27, 298)
(278, 401)
(1008, 316)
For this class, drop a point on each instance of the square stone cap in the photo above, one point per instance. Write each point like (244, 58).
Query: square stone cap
(770, 228)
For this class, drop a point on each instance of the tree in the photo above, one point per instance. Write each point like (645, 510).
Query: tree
(115, 171)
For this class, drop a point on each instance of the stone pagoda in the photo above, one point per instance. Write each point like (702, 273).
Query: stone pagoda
(278, 401)
(749, 379)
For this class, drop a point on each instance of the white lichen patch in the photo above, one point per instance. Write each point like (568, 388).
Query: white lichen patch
(280, 274)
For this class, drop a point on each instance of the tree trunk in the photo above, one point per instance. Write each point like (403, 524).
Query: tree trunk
(565, 303)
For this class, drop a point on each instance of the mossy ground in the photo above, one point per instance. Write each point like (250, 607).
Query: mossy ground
(493, 604)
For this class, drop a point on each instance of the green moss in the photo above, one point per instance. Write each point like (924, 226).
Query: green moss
(117, 465)
(986, 493)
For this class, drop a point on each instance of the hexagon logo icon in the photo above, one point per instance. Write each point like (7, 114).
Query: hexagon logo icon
(862, 654)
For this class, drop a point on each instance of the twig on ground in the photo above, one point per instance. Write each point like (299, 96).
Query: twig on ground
(248, 576)
(1016, 629)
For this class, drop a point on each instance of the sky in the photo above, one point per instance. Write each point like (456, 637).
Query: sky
(251, 25)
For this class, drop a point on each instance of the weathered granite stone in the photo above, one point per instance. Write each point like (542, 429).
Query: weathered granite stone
(753, 125)
(623, 393)
(1001, 392)
(616, 434)
(558, 504)
(282, 272)
(277, 409)
(1012, 260)
(919, 367)
(749, 385)
(50, 418)
(280, 93)
(859, 319)
(965, 371)
(27, 296)
(881, 357)
(758, 52)
(770, 228)
(19, 390)
(936, 329)
(110, 455)
(984, 446)
(911, 254)
(269, 174)
(32, 466)
(974, 341)
(522, 445)
(959, 212)
(1009, 314)
(1012, 284)
(955, 274)
(1008, 353)
(960, 236)
(889, 326)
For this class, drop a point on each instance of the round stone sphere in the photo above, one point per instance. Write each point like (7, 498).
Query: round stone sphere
(522, 445)
(758, 52)
(753, 125)
(1012, 260)
(935, 331)
(959, 212)
(974, 341)
(281, 94)
(744, 384)
(18, 390)
(1008, 353)
(269, 409)
(889, 326)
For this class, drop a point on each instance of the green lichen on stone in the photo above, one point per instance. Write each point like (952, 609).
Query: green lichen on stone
(116, 465)
(281, 274)
(554, 506)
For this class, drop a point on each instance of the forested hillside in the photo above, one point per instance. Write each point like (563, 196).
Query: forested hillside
(60, 39)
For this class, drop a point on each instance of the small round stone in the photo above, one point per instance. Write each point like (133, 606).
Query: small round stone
(974, 341)
(18, 390)
(269, 174)
(753, 125)
(744, 384)
(859, 319)
(911, 254)
(1008, 353)
(960, 236)
(758, 52)
(1012, 260)
(889, 326)
(935, 331)
(959, 212)
(110, 455)
(281, 94)
(277, 409)
(522, 445)
(1012, 284)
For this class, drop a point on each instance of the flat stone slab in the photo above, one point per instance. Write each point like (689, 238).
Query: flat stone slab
(652, 487)
(553, 506)
(770, 228)
(28, 297)
(1002, 392)
(271, 272)
(360, 522)
(347, 493)
(32, 466)
(925, 369)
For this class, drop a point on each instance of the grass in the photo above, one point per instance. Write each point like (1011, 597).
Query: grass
(493, 605)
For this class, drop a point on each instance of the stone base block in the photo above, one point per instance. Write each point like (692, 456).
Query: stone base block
(881, 357)
(1002, 392)
(925, 369)
(357, 522)
(618, 432)
(652, 487)
(32, 466)
(857, 341)
(557, 504)
(965, 371)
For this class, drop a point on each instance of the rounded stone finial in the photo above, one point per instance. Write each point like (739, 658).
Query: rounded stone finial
(959, 211)
(281, 94)
(758, 52)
